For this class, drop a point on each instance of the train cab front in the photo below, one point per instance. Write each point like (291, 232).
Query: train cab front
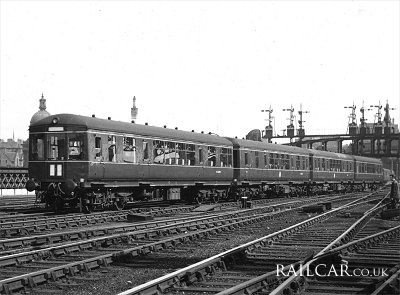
(57, 158)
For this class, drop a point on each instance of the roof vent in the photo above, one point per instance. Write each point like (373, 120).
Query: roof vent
(133, 121)
(146, 123)
(192, 130)
(93, 116)
(176, 128)
(109, 118)
(209, 133)
(165, 126)
(202, 131)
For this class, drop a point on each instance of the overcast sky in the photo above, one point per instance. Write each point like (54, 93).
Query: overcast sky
(202, 65)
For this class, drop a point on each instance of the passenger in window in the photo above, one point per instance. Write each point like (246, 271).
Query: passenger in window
(111, 153)
(159, 156)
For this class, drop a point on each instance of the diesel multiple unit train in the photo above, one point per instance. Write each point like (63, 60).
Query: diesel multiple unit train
(96, 163)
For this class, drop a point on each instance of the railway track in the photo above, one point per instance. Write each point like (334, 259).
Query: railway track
(28, 224)
(63, 262)
(37, 224)
(12, 203)
(372, 266)
(252, 267)
(13, 245)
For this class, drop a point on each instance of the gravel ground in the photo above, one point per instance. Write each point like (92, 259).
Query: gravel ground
(115, 279)
(118, 278)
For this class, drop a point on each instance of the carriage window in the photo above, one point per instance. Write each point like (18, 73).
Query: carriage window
(75, 151)
(56, 147)
(200, 156)
(190, 155)
(257, 157)
(271, 161)
(97, 148)
(37, 143)
(246, 158)
(298, 163)
(181, 157)
(129, 152)
(265, 160)
(212, 156)
(171, 155)
(158, 151)
(285, 161)
(112, 157)
(145, 150)
(226, 157)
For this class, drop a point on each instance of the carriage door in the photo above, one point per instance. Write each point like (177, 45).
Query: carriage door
(236, 163)
(311, 163)
(96, 156)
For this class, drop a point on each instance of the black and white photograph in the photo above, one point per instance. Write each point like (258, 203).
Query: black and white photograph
(200, 147)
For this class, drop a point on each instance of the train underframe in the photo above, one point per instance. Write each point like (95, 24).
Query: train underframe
(89, 199)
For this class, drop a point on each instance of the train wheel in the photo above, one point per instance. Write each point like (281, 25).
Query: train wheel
(88, 208)
(119, 205)
(199, 199)
(215, 198)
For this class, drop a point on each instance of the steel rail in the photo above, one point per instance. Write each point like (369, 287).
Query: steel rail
(296, 281)
(206, 266)
(66, 236)
(362, 243)
(365, 243)
(389, 283)
(29, 226)
(157, 227)
(12, 219)
(81, 234)
(32, 279)
(38, 277)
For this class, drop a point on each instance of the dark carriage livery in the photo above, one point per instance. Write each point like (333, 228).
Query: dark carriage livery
(108, 162)
(98, 163)
(269, 169)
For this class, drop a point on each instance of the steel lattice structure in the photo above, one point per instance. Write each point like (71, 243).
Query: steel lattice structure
(13, 178)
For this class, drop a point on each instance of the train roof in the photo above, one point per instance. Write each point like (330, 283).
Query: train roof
(263, 145)
(339, 156)
(348, 157)
(368, 159)
(78, 122)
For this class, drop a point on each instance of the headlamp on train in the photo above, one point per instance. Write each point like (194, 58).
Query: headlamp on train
(55, 121)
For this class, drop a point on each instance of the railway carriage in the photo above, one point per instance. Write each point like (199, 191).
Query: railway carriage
(104, 162)
(101, 163)
(368, 170)
(331, 167)
(260, 161)
(263, 165)
(339, 171)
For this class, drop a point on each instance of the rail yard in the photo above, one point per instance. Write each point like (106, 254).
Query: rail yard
(124, 208)
(223, 248)
(199, 148)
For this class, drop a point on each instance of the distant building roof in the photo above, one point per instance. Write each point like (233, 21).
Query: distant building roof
(10, 144)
